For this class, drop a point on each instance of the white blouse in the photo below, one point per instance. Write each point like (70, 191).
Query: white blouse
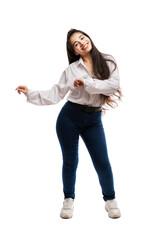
(89, 94)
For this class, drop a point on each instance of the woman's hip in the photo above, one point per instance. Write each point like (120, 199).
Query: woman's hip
(71, 113)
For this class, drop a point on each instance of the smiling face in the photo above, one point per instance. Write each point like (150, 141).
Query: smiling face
(80, 43)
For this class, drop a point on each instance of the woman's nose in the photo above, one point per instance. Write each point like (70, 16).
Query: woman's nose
(82, 44)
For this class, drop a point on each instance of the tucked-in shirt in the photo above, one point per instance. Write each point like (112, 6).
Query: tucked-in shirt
(91, 94)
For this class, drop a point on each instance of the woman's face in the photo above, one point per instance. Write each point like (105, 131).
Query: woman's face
(80, 43)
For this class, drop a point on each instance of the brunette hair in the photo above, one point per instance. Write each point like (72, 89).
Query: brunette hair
(100, 66)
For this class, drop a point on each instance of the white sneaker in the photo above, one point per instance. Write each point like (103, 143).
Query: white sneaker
(67, 209)
(112, 209)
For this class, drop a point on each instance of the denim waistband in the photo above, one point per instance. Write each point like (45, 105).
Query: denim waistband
(86, 108)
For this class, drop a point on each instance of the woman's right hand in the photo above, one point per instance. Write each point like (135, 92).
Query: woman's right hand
(22, 89)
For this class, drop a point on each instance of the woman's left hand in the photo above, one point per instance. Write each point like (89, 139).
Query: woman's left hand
(78, 82)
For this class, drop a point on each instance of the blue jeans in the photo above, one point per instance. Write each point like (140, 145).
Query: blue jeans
(73, 122)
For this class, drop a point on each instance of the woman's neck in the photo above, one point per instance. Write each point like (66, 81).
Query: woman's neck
(87, 58)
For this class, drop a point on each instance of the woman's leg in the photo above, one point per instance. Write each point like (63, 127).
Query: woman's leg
(95, 141)
(68, 135)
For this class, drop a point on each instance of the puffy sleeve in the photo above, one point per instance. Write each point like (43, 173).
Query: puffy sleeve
(106, 87)
(51, 96)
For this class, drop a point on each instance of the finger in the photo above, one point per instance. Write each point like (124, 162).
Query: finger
(23, 91)
(17, 88)
(21, 88)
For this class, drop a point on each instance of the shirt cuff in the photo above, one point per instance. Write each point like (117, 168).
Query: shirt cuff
(29, 92)
(87, 80)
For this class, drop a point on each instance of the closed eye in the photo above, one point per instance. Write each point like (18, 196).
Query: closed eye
(76, 43)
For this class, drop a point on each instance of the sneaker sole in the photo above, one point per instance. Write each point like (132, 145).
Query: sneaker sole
(66, 217)
(115, 216)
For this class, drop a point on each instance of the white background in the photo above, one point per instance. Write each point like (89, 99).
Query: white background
(33, 53)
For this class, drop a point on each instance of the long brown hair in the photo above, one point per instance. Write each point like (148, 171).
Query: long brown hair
(100, 66)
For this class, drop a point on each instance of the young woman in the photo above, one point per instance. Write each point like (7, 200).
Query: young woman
(93, 81)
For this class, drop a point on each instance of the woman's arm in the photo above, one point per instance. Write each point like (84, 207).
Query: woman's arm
(51, 96)
(106, 87)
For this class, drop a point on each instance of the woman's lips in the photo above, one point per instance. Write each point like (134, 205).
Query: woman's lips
(85, 46)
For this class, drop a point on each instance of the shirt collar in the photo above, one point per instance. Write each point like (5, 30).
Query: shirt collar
(80, 61)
